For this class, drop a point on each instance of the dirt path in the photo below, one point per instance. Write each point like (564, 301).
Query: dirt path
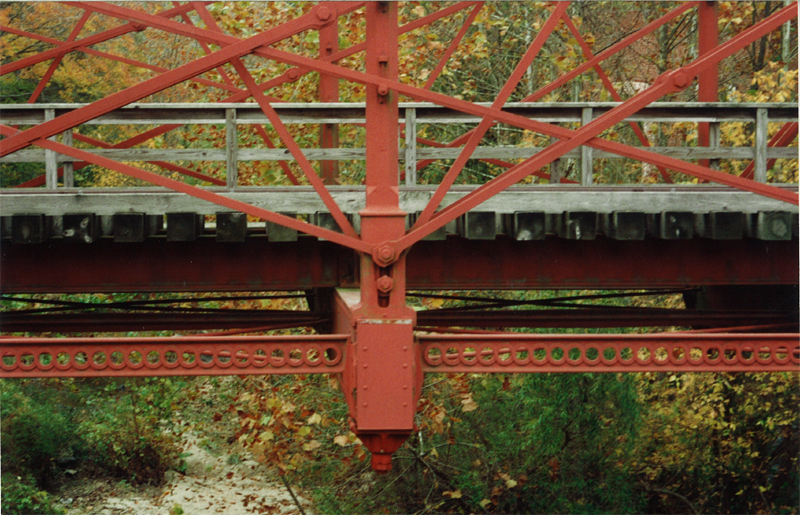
(210, 485)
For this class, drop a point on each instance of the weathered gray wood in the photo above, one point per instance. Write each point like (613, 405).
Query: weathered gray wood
(724, 225)
(713, 142)
(555, 167)
(526, 226)
(278, 233)
(587, 163)
(50, 163)
(478, 225)
(672, 225)
(760, 171)
(437, 235)
(294, 113)
(67, 167)
(82, 227)
(130, 227)
(546, 198)
(773, 225)
(231, 227)
(186, 226)
(577, 225)
(30, 228)
(411, 147)
(231, 148)
(353, 154)
(624, 225)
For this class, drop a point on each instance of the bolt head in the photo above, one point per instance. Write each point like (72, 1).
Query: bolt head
(680, 79)
(293, 74)
(383, 90)
(384, 255)
(324, 13)
(384, 284)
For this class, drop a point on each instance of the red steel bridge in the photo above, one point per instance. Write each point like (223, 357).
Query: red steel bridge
(374, 204)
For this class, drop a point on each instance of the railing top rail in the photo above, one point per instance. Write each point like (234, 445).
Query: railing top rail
(354, 112)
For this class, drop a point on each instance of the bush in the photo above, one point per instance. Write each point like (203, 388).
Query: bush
(35, 431)
(20, 498)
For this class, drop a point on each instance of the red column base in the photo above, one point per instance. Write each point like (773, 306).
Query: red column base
(382, 445)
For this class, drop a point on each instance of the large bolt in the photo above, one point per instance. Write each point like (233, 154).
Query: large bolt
(384, 284)
(293, 74)
(384, 255)
(680, 79)
(324, 13)
(383, 90)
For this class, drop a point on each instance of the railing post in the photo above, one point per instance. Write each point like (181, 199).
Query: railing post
(762, 124)
(587, 164)
(231, 148)
(50, 157)
(713, 142)
(411, 146)
(67, 167)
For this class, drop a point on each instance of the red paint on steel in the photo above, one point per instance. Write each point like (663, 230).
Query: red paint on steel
(163, 81)
(293, 223)
(258, 265)
(521, 353)
(174, 356)
(782, 138)
(598, 264)
(95, 39)
(708, 78)
(329, 92)
(505, 93)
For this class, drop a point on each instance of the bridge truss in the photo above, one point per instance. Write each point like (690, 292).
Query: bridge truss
(360, 246)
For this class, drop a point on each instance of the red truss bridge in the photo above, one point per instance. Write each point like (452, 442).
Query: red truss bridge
(378, 160)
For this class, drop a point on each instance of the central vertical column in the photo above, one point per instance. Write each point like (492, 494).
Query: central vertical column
(383, 380)
(708, 79)
(329, 92)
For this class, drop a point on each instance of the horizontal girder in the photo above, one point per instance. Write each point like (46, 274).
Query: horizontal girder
(451, 264)
(509, 353)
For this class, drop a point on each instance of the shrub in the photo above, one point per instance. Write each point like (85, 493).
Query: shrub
(20, 498)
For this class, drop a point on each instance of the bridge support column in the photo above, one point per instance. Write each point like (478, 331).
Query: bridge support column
(382, 381)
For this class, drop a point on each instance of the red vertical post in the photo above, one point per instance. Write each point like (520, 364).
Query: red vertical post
(382, 378)
(329, 92)
(708, 79)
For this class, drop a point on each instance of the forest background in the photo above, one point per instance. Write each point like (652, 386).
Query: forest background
(540, 443)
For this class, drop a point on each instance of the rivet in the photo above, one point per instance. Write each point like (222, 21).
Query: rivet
(365, 366)
(365, 404)
(405, 365)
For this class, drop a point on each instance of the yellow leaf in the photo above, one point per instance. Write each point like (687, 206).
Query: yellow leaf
(310, 446)
(484, 503)
(341, 440)
(266, 436)
(316, 418)
(511, 483)
(453, 495)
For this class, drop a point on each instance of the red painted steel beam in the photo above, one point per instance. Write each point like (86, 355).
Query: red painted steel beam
(454, 264)
(315, 19)
(660, 352)
(588, 65)
(598, 264)
(172, 356)
(783, 138)
(160, 266)
(203, 194)
(503, 95)
(63, 49)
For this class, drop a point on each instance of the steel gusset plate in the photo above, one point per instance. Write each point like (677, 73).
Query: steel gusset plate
(176, 356)
(686, 352)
